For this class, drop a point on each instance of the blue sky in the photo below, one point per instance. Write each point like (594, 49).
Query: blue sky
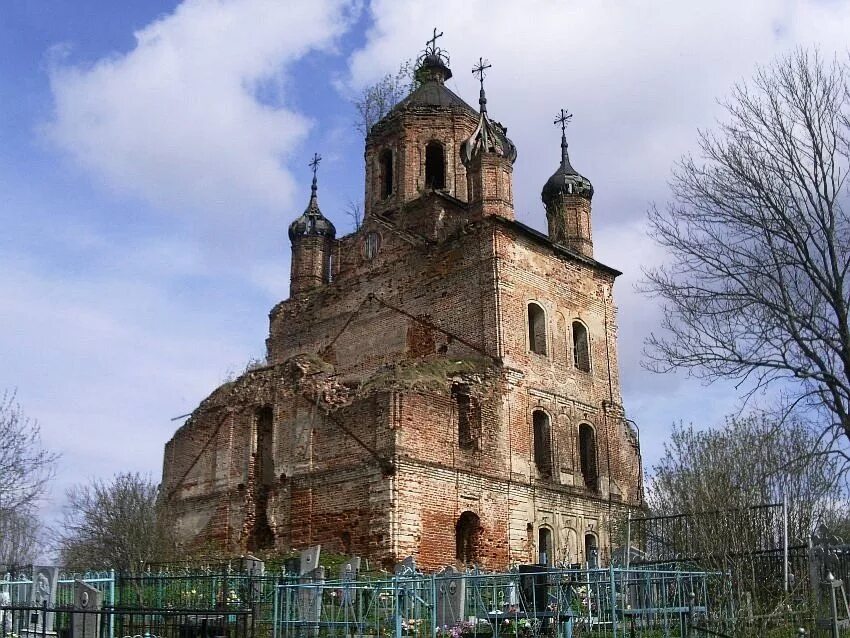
(154, 153)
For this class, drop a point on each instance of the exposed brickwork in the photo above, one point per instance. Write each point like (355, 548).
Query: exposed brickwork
(402, 387)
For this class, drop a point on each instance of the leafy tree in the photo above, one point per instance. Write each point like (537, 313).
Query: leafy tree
(26, 468)
(114, 524)
(378, 99)
(756, 289)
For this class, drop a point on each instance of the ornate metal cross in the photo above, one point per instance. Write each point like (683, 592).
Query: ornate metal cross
(433, 41)
(314, 163)
(479, 69)
(563, 119)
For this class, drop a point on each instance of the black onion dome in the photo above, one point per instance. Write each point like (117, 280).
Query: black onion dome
(311, 222)
(433, 66)
(489, 137)
(566, 180)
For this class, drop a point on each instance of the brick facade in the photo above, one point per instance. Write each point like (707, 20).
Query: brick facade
(434, 394)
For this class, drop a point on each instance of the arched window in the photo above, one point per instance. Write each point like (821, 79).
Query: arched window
(386, 161)
(591, 550)
(587, 455)
(545, 554)
(581, 347)
(467, 533)
(468, 417)
(536, 329)
(542, 443)
(435, 166)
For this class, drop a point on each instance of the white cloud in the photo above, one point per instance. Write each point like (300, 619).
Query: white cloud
(103, 358)
(178, 120)
(641, 78)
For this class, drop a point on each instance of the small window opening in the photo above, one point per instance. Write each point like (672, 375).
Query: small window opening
(386, 162)
(591, 551)
(261, 535)
(536, 329)
(435, 166)
(581, 347)
(371, 245)
(542, 443)
(544, 547)
(587, 455)
(467, 536)
(468, 417)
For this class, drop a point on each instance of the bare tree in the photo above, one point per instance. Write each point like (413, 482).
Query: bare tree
(756, 289)
(716, 500)
(376, 100)
(354, 210)
(26, 468)
(753, 460)
(19, 538)
(115, 524)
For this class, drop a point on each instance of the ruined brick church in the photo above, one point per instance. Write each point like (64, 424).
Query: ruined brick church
(441, 383)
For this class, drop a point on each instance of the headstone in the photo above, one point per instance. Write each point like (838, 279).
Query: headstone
(309, 559)
(407, 567)
(5, 616)
(44, 582)
(252, 566)
(451, 596)
(348, 577)
(534, 584)
(310, 587)
(87, 599)
(254, 569)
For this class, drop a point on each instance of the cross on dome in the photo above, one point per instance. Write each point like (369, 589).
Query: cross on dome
(563, 119)
(314, 163)
(431, 45)
(479, 71)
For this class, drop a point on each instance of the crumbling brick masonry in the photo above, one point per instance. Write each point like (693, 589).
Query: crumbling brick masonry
(441, 383)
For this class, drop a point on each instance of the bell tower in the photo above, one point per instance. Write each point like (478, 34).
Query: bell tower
(567, 196)
(415, 148)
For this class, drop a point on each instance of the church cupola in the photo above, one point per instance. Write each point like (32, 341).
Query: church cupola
(312, 236)
(567, 196)
(488, 156)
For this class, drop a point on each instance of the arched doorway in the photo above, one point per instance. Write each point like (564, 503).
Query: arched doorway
(591, 550)
(467, 534)
(545, 547)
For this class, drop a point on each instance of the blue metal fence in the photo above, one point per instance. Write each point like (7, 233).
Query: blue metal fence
(565, 602)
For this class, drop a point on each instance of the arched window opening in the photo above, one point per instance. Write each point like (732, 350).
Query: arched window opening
(591, 551)
(261, 535)
(581, 347)
(386, 161)
(542, 443)
(467, 535)
(544, 547)
(587, 455)
(468, 417)
(435, 166)
(345, 540)
(536, 329)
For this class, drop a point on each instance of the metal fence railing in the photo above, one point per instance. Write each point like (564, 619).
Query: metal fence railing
(523, 604)
(17, 621)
